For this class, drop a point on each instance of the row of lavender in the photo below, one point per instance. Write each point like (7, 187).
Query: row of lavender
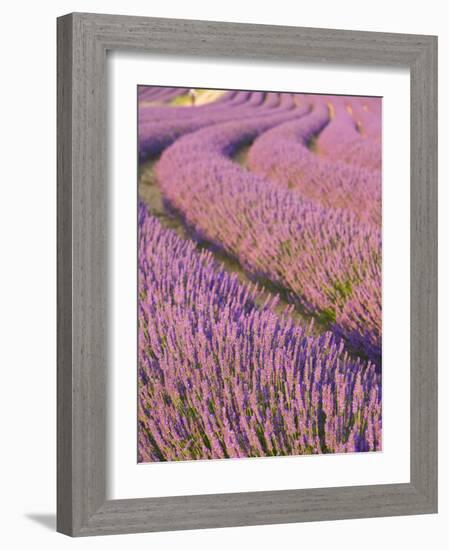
(159, 94)
(325, 254)
(347, 175)
(159, 127)
(221, 377)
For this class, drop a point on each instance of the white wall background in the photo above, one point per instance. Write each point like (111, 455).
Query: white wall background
(28, 267)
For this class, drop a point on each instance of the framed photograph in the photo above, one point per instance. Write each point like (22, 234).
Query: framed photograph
(247, 274)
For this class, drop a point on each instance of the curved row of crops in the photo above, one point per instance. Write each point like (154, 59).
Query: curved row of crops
(159, 94)
(320, 255)
(283, 156)
(223, 377)
(158, 130)
(222, 374)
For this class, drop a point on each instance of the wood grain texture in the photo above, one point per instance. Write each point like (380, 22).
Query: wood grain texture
(423, 275)
(64, 277)
(83, 40)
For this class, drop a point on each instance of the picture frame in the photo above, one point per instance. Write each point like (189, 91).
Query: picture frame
(83, 41)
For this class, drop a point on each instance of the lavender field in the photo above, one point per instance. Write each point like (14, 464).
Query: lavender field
(259, 274)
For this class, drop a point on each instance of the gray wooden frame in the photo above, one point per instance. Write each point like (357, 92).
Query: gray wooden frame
(83, 40)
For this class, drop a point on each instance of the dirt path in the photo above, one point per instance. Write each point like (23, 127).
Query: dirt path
(241, 156)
